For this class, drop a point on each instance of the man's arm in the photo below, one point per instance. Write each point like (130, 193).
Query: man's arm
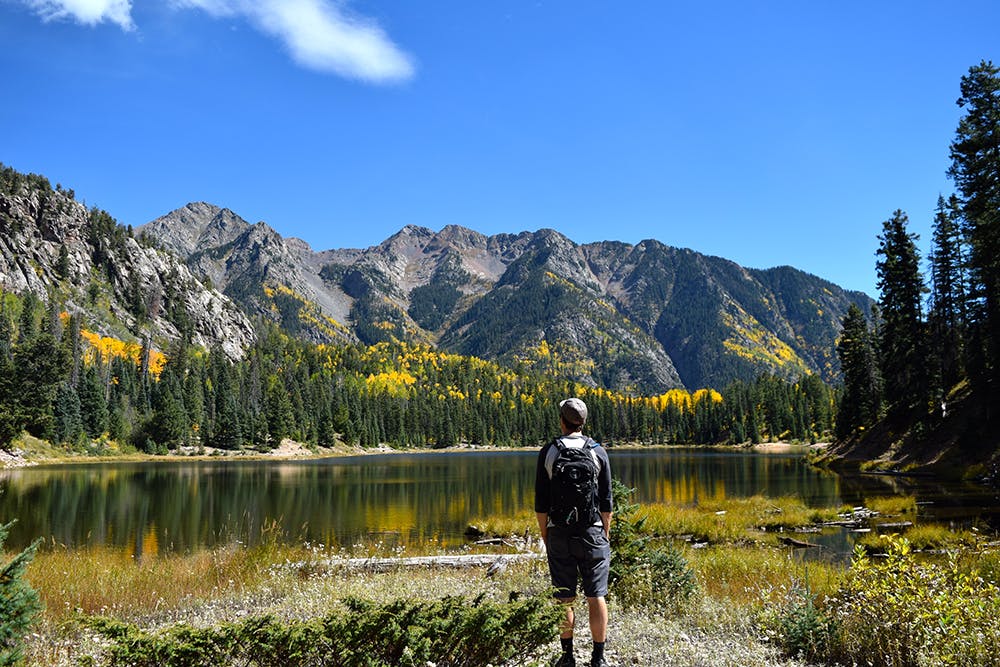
(542, 495)
(543, 525)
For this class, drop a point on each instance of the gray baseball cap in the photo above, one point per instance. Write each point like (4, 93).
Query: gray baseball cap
(573, 411)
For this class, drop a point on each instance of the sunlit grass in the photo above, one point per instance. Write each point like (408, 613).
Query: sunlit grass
(751, 576)
(924, 537)
(504, 525)
(107, 580)
(893, 505)
(728, 521)
(738, 580)
(734, 520)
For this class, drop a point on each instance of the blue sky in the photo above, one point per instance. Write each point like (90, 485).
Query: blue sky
(768, 133)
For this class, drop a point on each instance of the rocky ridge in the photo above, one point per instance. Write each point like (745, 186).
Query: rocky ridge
(53, 246)
(646, 318)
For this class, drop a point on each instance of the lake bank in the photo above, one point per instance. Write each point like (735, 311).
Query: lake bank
(28, 451)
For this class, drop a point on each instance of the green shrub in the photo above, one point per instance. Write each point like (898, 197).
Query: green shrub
(19, 604)
(900, 611)
(451, 632)
(803, 630)
(641, 573)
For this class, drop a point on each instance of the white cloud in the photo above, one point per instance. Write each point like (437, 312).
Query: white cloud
(87, 12)
(320, 35)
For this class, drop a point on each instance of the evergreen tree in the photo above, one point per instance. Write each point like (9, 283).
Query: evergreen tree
(28, 323)
(19, 603)
(93, 402)
(66, 410)
(862, 396)
(947, 310)
(38, 369)
(975, 168)
(901, 287)
(169, 425)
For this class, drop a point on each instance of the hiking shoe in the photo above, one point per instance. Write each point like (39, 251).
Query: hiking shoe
(598, 662)
(566, 660)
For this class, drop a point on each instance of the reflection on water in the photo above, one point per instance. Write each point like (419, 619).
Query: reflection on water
(399, 499)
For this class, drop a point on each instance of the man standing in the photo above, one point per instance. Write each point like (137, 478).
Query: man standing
(573, 507)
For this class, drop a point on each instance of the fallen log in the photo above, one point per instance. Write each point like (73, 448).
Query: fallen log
(382, 564)
(792, 542)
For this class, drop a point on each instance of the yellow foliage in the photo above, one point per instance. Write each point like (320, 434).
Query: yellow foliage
(710, 394)
(394, 383)
(112, 347)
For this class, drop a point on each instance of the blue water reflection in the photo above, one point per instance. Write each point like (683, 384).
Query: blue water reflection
(400, 499)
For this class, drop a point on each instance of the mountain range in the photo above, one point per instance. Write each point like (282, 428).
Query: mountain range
(641, 318)
(645, 317)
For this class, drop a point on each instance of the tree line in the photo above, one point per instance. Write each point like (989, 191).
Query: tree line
(934, 339)
(58, 384)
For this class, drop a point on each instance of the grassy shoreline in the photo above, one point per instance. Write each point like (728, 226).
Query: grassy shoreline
(746, 576)
(233, 583)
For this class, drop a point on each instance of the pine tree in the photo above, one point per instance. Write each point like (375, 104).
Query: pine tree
(19, 603)
(66, 410)
(93, 402)
(975, 168)
(947, 309)
(862, 397)
(901, 287)
(38, 367)
(28, 323)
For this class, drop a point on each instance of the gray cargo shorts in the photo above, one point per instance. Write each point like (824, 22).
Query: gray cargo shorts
(579, 557)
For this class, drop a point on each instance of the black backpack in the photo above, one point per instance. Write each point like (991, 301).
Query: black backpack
(573, 495)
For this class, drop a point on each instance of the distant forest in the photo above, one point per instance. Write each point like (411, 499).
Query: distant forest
(62, 383)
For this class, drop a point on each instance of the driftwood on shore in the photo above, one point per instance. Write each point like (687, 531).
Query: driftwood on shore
(492, 561)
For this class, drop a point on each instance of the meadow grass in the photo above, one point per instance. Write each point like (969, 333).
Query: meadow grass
(229, 583)
(750, 577)
(107, 580)
(924, 537)
(893, 505)
(730, 521)
(742, 575)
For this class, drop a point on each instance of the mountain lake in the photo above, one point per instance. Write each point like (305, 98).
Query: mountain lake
(404, 500)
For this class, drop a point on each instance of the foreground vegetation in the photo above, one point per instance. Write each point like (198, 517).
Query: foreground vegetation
(707, 585)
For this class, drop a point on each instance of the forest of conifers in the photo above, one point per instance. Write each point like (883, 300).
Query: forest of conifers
(918, 356)
(64, 384)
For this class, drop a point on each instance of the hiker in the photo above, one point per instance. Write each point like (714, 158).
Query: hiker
(573, 507)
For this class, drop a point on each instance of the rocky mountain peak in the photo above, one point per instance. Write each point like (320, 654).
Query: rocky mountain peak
(194, 226)
(460, 238)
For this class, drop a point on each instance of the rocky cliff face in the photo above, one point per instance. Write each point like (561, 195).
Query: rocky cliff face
(53, 246)
(269, 276)
(644, 318)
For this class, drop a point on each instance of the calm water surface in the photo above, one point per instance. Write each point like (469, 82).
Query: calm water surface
(400, 499)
